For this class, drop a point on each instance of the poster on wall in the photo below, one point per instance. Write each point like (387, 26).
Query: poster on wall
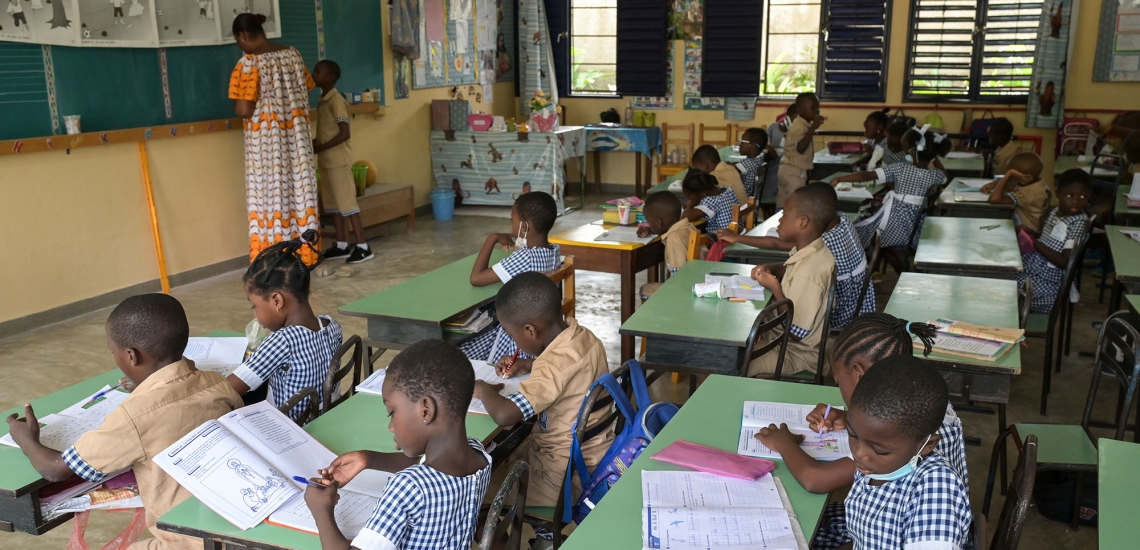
(686, 19)
(189, 22)
(1126, 43)
(1045, 108)
(118, 23)
(693, 99)
(41, 22)
(665, 102)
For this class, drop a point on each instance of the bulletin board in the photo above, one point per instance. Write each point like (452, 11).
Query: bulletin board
(451, 34)
(1118, 43)
(118, 88)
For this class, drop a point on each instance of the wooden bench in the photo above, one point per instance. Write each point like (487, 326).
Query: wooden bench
(383, 203)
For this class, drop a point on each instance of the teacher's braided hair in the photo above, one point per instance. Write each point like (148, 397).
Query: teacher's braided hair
(879, 335)
(281, 267)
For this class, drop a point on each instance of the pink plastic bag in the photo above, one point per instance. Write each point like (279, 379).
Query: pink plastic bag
(1025, 242)
(124, 539)
(714, 461)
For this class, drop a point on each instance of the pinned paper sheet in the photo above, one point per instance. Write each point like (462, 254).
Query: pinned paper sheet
(460, 10)
(462, 38)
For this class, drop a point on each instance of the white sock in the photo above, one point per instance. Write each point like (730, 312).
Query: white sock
(362, 245)
(342, 245)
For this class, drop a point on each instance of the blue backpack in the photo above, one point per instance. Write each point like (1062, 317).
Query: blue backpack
(639, 427)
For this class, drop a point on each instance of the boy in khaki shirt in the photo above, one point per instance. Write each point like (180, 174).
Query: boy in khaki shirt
(707, 159)
(568, 359)
(805, 279)
(799, 151)
(147, 335)
(1023, 187)
(1000, 134)
(663, 217)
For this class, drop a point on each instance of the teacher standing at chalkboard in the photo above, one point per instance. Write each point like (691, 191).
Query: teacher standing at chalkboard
(270, 88)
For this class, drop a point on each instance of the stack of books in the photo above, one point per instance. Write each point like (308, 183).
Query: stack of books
(468, 322)
(981, 342)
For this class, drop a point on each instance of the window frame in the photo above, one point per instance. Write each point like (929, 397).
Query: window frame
(977, 57)
(569, 49)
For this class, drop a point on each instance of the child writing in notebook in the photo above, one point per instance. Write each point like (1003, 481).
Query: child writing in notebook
(663, 217)
(870, 338)
(1046, 254)
(300, 346)
(1023, 187)
(532, 217)
(147, 335)
(799, 153)
(704, 199)
(432, 503)
(707, 159)
(754, 147)
(568, 359)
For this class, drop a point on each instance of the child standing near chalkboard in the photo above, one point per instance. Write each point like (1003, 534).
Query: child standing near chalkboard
(334, 158)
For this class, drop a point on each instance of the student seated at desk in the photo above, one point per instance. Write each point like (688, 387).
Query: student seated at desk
(663, 217)
(568, 359)
(705, 199)
(1022, 187)
(850, 260)
(707, 159)
(776, 134)
(1001, 149)
(432, 503)
(532, 217)
(1046, 254)
(875, 136)
(147, 335)
(799, 149)
(300, 346)
(805, 279)
(870, 338)
(754, 147)
(893, 151)
(909, 185)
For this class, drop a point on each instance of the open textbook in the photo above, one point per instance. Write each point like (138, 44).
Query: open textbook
(483, 371)
(221, 355)
(61, 430)
(701, 511)
(831, 445)
(242, 466)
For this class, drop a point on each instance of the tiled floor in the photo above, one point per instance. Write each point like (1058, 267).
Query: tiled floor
(50, 358)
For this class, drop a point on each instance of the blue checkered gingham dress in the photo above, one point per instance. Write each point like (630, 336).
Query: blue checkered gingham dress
(718, 209)
(1046, 276)
(292, 359)
(493, 344)
(425, 509)
(850, 272)
(776, 140)
(909, 180)
(891, 157)
(748, 173)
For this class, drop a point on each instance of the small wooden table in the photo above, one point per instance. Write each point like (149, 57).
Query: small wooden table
(954, 208)
(756, 255)
(711, 417)
(960, 246)
(694, 335)
(1117, 487)
(1126, 260)
(624, 259)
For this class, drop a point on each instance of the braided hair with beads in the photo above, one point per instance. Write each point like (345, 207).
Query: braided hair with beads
(281, 268)
(880, 335)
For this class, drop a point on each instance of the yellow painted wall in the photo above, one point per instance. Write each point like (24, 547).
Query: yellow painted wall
(1083, 93)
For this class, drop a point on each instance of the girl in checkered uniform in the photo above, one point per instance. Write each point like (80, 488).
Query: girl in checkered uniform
(707, 200)
(1045, 255)
(904, 205)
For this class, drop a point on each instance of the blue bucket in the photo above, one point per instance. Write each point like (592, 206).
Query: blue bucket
(443, 204)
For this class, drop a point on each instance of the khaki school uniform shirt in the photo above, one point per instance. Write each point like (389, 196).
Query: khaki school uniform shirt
(677, 244)
(792, 156)
(1032, 202)
(162, 409)
(332, 111)
(728, 176)
(1002, 156)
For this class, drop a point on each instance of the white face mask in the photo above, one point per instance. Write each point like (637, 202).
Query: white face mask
(520, 239)
(906, 469)
(909, 158)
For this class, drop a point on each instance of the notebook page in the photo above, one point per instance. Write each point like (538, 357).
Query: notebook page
(487, 373)
(624, 235)
(962, 344)
(97, 409)
(352, 513)
(708, 528)
(762, 413)
(374, 384)
(832, 445)
(59, 432)
(221, 355)
(966, 196)
(663, 489)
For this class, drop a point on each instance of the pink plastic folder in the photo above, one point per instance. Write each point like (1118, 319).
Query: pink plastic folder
(714, 461)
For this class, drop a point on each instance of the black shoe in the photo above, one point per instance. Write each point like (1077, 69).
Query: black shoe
(360, 255)
(336, 252)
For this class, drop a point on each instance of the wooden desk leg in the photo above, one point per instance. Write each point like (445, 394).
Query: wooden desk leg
(628, 280)
(637, 174)
(598, 170)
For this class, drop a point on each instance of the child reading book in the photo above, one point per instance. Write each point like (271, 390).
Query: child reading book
(1022, 187)
(663, 217)
(705, 199)
(1046, 254)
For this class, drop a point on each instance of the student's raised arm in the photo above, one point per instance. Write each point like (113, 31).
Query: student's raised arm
(998, 192)
(857, 176)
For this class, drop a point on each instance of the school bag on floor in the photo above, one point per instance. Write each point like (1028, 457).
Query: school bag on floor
(639, 427)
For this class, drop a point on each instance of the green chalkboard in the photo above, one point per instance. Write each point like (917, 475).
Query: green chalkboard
(24, 108)
(354, 41)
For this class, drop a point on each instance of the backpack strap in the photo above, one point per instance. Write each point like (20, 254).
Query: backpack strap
(640, 388)
(577, 461)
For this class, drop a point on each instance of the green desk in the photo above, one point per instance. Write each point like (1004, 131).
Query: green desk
(1068, 162)
(710, 417)
(954, 208)
(19, 482)
(1124, 215)
(851, 205)
(959, 246)
(359, 423)
(763, 255)
(921, 297)
(1126, 260)
(694, 335)
(416, 310)
(963, 168)
(1117, 487)
(822, 168)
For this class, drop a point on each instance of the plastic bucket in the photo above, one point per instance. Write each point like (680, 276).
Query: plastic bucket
(443, 204)
(360, 178)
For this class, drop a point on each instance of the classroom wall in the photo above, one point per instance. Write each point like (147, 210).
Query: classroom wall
(1083, 93)
(78, 226)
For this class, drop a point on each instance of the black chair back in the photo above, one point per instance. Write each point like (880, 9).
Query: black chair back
(1071, 268)
(312, 407)
(503, 529)
(338, 370)
(1024, 302)
(1007, 533)
(769, 318)
(872, 253)
(1117, 355)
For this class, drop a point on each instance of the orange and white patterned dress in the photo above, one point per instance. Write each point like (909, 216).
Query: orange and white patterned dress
(280, 182)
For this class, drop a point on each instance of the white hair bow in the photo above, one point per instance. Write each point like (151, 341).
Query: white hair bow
(921, 136)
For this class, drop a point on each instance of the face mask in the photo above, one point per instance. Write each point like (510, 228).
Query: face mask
(905, 470)
(909, 158)
(520, 239)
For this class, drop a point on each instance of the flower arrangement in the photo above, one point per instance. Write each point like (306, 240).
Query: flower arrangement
(543, 115)
(540, 102)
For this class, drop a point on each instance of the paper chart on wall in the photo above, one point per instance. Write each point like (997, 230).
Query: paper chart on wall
(41, 22)
(692, 72)
(119, 23)
(193, 22)
(462, 37)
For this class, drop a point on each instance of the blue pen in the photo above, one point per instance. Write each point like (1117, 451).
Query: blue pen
(826, 413)
(300, 479)
(100, 394)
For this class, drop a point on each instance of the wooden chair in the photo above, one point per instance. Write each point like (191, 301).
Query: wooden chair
(311, 410)
(744, 217)
(668, 142)
(761, 326)
(564, 277)
(738, 132)
(698, 240)
(503, 529)
(1008, 530)
(1072, 447)
(597, 400)
(338, 370)
(704, 139)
